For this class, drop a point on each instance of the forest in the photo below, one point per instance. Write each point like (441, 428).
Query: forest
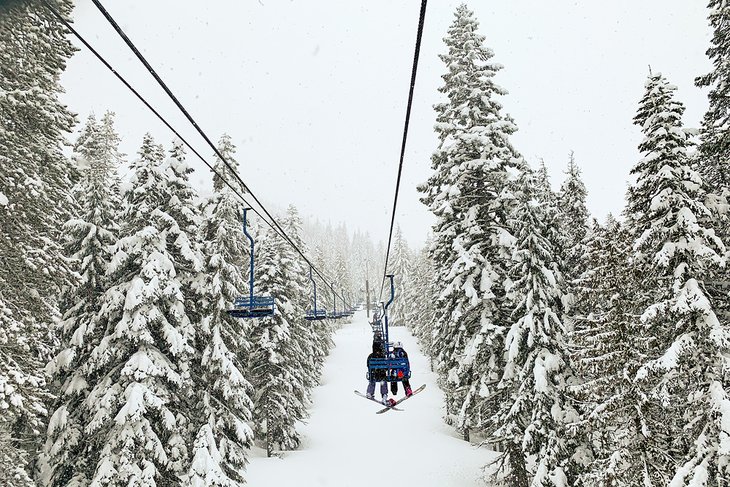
(583, 352)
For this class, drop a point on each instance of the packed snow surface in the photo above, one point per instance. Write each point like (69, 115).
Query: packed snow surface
(345, 444)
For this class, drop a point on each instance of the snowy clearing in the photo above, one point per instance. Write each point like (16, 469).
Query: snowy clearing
(345, 443)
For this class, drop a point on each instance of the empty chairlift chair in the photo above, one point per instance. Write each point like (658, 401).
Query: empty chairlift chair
(252, 306)
(315, 314)
(334, 314)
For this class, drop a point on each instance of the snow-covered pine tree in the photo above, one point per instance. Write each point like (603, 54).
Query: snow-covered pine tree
(573, 218)
(110, 151)
(535, 409)
(544, 188)
(551, 206)
(139, 373)
(35, 199)
(606, 346)
(400, 267)
(420, 295)
(311, 337)
(342, 277)
(86, 147)
(220, 450)
(89, 240)
(470, 197)
(315, 337)
(217, 415)
(227, 150)
(183, 237)
(685, 361)
(276, 358)
(714, 153)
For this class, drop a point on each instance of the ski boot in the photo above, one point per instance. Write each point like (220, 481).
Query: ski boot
(370, 396)
(409, 392)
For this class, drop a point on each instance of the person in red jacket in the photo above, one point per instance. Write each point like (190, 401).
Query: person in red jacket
(398, 352)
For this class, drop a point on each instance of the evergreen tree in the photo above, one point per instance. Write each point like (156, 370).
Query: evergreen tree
(684, 359)
(573, 217)
(87, 145)
(469, 195)
(35, 199)
(535, 409)
(139, 372)
(606, 359)
(715, 139)
(714, 153)
(222, 438)
(420, 296)
(314, 337)
(550, 200)
(276, 356)
(399, 266)
(89, 240)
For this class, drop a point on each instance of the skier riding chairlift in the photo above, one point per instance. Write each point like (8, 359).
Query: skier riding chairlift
(378, 375)
(399, 352)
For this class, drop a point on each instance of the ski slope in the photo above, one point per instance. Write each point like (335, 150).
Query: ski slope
(345, 444)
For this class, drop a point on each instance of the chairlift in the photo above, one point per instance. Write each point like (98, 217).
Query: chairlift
(315, 314)
(396, 369)
(252, 306)
(347, 311)
(334, 314)
(350, 308)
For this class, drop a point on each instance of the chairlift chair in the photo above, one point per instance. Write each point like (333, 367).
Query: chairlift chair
(396, 369)
(315, 314)
(334, 314)
(252, 306)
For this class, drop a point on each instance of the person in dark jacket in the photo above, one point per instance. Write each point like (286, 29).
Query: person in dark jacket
(378, 375)
(398, 352)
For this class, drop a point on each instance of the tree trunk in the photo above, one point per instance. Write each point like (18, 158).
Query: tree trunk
(269, 442)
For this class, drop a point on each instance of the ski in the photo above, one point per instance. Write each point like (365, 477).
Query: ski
(374, 400)
(416, 391)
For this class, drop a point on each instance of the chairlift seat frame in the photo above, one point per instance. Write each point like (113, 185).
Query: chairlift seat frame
(316, 315)
(396, 369)
(252, 306)
(256, 307)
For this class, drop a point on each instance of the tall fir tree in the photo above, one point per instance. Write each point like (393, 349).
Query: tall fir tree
(550, 201)
(714, 150)
(276, 357)
(35, 199)
(399, 266)
(89, 241)
(684, 360)
(715, 140)
(470, 196)
(535, 408)
(573, 218)
(605, 357)
(314, 337)
(420, 296)
(139, 373)
(223, 437)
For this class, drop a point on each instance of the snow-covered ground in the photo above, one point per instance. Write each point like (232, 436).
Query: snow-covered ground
(345, 444)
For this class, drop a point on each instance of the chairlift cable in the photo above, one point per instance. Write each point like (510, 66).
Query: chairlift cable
(414, 70)
(68, 26)
(184, 111)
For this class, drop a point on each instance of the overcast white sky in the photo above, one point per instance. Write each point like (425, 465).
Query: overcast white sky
(314, 92)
